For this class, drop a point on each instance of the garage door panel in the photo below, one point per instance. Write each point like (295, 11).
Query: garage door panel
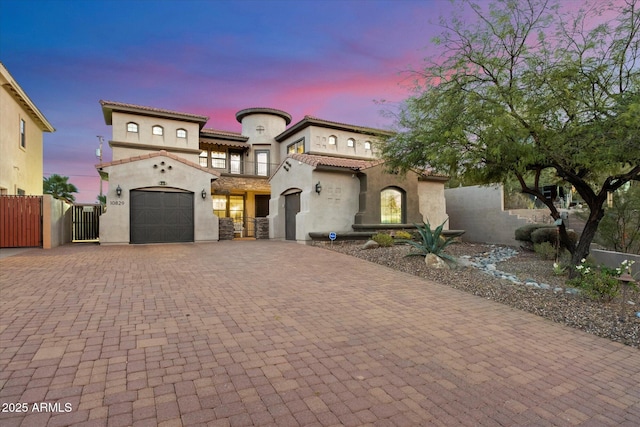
(161, 217)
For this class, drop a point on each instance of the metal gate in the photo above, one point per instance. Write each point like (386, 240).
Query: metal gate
(86, 222)
(20, 221)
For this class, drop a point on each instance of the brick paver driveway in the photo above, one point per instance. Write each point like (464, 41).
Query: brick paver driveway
(275, 333)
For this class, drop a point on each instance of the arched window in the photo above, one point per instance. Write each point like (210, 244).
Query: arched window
(391, 206)
(157, 130)
(351, 142)
(132, 127)
(333, 140)
(367, 145)
(181, 133)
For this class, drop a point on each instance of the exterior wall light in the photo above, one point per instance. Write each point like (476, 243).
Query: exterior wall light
(119, 191)
(318, 187)
(203, 194)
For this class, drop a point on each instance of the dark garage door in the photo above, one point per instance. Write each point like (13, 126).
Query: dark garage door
(161, 217)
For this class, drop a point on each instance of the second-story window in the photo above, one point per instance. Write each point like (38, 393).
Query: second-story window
(203, 158)
(333, 140)
(23, 134)
(181, 133)
(367, 145)
(235, 162)
(296, 147)
(218, 159)
(262, 163)
(157, 130)
(351, 142)
(132, 127)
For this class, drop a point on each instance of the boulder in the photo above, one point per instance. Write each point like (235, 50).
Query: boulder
(434, 261)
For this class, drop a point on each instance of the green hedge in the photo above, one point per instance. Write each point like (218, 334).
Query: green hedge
(550, 235)
(524, 233)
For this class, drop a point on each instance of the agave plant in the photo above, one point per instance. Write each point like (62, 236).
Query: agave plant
(433, 242)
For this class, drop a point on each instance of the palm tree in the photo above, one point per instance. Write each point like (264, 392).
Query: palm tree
(59, 187)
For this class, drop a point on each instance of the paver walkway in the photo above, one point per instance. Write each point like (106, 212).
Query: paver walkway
(275, 333)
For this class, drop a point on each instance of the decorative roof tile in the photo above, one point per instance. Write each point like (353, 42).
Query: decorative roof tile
(340, 162)
(109, 106)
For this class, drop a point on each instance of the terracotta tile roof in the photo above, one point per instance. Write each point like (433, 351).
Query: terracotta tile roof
(107, 106)
(229, 139)
(218, 132)
(164, 153)
(314, 121)
(340, 162)
(355, 164)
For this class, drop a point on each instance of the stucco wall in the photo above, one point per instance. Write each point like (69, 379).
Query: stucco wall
(331, 210)
(305, 135)
(168, 141)
(319, 143)
(56, 222)
(433, 205)
(373, 181)
(479, 211)
(115, 223)
(20, 168)
(614, 259)
(271, 125)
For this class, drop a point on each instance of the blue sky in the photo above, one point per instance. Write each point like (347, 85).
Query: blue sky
(327, 58)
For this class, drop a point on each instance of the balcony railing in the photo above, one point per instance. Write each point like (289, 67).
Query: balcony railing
(247, 168)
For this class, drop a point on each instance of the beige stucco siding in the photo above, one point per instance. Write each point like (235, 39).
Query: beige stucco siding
(319, 143)
(432, 203)
(20, 168)
(141, 174)
(331, 210)
(187, 147)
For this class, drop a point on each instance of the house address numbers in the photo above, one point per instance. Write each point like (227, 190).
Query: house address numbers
(116, 202)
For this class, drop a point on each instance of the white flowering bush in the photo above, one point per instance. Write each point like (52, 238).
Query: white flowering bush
(599, 283)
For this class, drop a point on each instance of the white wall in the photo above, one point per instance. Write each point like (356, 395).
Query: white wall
(115, 223)
(144, 137)
(56, 222)
(334, 209)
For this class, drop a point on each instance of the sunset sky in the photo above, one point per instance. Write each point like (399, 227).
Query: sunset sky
(331, 59)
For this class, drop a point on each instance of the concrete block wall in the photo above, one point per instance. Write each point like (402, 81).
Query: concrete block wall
(479, 210)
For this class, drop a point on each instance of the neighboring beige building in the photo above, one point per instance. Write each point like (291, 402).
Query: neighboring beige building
(314, 177)
(21, 138)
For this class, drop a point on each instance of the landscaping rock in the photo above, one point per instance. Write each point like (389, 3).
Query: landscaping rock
(434, 261)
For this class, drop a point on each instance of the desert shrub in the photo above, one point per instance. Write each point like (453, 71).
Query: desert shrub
(430, 241)
(551, 235)
(383, 239)
(524, 233)
(545, 250)
(598, 283)
(403, 235)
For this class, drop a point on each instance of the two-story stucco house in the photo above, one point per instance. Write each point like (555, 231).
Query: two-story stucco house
(21, 139)
(171, 178)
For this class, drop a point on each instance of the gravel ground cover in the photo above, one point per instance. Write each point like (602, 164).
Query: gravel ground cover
(615, 320)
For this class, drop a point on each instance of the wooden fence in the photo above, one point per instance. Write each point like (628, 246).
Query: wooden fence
(20, 221)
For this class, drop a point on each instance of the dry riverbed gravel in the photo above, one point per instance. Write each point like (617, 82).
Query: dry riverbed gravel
(615, 320)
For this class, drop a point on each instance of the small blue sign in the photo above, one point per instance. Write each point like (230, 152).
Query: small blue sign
(332, 236)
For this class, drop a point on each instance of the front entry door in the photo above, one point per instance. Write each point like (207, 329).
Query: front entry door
(292, 207)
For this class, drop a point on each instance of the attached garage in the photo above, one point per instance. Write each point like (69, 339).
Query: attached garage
(161, 216)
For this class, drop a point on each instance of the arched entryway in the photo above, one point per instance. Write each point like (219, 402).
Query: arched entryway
(291, 209)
